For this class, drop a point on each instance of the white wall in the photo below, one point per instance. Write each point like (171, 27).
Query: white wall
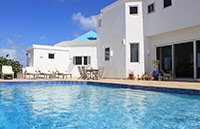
(42, 61)
(82, 51)
(134, 34)
(182, 14)
(111, 34)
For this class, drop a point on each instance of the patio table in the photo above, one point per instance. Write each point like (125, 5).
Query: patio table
(92, 73)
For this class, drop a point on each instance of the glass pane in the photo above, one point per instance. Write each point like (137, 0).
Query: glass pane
(150, 8)
(184, 60)
(78, 60)
(107, 54)
(133, 10)
(167, 3)
(134, 48)
(85, 60)
(198, 59)
(51, 56)
(164, 54)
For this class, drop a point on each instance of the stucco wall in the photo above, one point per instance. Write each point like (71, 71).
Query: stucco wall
(111, 34)
(182, 14)
(134, 34)
(42, 61)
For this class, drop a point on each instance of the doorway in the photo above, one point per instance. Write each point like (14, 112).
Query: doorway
(164, 55)
(184, 60)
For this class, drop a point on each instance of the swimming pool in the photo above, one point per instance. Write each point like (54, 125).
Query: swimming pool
(91, 105)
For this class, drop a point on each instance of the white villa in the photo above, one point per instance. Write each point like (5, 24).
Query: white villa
(130, 34)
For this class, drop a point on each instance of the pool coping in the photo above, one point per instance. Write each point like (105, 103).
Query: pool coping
(122, 84)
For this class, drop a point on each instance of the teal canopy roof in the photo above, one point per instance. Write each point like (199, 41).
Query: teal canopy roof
(91, 35)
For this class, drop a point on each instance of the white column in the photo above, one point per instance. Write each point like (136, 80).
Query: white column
(195, 59)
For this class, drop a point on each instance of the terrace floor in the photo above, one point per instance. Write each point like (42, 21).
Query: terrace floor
(168, 84)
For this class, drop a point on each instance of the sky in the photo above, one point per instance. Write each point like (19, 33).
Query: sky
(45, 22)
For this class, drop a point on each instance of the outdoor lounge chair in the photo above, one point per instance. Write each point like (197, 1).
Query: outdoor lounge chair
(31, 72)
(63, 73)
(45, 73)
(7, 71)
(167, 76)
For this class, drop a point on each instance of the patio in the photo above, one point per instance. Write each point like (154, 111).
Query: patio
(164, 84)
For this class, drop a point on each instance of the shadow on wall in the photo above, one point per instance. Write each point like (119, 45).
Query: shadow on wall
(71, 66)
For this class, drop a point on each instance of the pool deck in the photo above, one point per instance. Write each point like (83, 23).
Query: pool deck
(163, 84)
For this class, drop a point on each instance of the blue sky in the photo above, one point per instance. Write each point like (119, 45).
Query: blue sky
(46, 21)
(26, 22)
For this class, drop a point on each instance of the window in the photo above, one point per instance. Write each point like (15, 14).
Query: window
(107, 54)
(51, 56)
(134, 51)
(151, 8)
(133, 10)
(78, 60)
(86, 60)
(167, 3)
(99, 23)
(81, 60)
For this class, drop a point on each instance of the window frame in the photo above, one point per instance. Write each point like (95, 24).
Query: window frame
(133, 6)
(107, 53)
(82, 59)
(154, 8)
(138, 53)
(51, 56)
(164, 6)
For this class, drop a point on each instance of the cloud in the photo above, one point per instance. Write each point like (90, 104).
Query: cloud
(20, 51)
(42, 37)
(10, 43)
(86, 23)
(10, 52)
(76, 35)
(18, 35)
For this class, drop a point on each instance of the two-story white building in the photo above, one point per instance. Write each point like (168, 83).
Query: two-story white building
(131, 33)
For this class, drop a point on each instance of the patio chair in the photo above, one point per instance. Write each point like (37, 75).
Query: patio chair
(80, 72)
(99, 74)
(63, 72)
(85, 75)
(7, 71)
(31, 72)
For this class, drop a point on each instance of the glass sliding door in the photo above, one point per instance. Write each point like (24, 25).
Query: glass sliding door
(184, 60)
(164, 54)
(198, 58)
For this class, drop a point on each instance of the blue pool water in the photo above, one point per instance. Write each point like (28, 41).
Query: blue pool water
(59, 105)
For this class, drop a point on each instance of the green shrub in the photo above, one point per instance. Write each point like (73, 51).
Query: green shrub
(16, 66)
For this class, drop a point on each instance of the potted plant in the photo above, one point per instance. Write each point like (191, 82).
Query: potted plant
(131, 75)
(155, 71)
